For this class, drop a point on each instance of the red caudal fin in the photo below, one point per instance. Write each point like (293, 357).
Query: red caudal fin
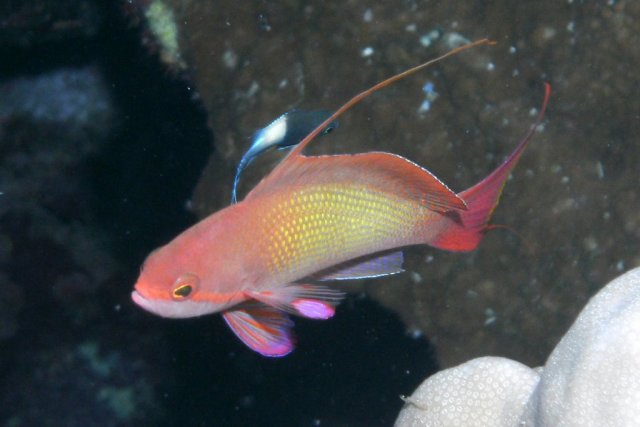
(467, 229)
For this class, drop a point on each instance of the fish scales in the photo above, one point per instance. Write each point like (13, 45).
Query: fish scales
(326, 224)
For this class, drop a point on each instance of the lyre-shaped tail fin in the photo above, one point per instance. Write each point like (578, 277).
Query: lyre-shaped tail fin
(466, 233)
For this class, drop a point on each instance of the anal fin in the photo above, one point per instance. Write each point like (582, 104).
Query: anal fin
(364, 267)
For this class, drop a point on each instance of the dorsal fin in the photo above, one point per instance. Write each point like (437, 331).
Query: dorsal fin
(385, 172)
(297, 150)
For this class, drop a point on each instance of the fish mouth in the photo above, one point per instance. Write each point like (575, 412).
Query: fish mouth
(159, 308)
(141, 301)
(173, 309)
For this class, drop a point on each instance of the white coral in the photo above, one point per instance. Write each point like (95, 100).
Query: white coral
(592, 378)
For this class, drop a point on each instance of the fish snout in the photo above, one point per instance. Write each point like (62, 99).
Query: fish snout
(171, 308)
(141, 301)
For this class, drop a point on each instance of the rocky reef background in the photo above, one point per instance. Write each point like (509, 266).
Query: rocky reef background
(121, 124)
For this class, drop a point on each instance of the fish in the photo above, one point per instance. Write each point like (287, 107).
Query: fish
(285, 131)
(311, 220)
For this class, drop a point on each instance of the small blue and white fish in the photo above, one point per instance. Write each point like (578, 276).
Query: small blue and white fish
(285, 131)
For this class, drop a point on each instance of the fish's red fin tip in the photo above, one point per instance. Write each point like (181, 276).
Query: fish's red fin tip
(314, 309)
(460, 204)
(262, 328)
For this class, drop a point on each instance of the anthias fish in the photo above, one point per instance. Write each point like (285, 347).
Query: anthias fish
(314, 218)
(285, 131)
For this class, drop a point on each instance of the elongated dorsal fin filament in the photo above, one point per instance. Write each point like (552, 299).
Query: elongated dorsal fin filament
(364, 94)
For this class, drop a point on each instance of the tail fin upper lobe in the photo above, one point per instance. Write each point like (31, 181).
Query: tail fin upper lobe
(467, 231)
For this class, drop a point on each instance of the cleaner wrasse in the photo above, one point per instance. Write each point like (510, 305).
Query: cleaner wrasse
(286, 131)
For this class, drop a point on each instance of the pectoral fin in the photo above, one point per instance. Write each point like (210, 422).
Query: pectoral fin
(262, 328)
(312, 301)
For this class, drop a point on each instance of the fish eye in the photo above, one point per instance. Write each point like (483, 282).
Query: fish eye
(182, 291)
(184, 286)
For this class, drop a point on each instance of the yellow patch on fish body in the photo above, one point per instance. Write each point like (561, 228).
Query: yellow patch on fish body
(325, 223)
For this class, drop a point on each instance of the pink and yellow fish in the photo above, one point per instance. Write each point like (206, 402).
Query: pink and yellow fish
(314, 218)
